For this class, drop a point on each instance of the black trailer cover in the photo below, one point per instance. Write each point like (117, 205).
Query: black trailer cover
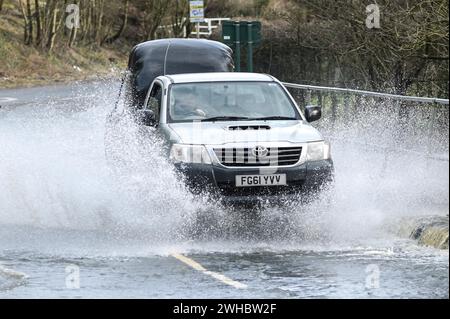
(151, 59)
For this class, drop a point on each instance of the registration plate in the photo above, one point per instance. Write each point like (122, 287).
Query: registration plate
(260, 180)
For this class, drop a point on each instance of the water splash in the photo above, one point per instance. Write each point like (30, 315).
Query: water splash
(53, 172)
(54, 175)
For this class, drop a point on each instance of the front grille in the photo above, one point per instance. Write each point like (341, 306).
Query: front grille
(244, 157)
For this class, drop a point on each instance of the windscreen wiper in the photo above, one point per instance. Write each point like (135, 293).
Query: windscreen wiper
(268, 118)
(224, 118)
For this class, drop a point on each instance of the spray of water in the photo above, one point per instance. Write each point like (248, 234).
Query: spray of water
(54, 175)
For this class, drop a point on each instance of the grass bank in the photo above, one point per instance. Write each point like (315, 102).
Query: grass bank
(25, 65)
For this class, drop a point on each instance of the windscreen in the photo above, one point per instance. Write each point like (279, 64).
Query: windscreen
(221, 101)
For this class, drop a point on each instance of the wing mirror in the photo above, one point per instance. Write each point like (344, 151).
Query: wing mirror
(313, 113)
(146, 117)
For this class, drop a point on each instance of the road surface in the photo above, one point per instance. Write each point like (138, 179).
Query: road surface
(70, 226)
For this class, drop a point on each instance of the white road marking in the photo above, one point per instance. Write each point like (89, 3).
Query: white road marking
(7, 99)
(12, 273)
(222, 278)
(70, 98)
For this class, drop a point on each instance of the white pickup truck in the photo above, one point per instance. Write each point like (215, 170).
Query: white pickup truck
(239, 137)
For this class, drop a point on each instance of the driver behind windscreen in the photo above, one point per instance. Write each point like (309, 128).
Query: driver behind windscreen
(187, 103)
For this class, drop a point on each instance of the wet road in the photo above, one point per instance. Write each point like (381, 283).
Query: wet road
(70, 228)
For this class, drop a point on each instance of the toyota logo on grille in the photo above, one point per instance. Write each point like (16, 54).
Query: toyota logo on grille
(260, 151)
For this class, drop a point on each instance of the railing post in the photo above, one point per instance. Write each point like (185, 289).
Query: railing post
(346, 106)
(308, 98)
(334, 103)
(430, 131)
(403, 115)
(300, 97)
(320, 99)
(209, 26)
(357, 106)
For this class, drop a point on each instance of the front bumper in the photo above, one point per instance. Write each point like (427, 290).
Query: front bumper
(303, 180)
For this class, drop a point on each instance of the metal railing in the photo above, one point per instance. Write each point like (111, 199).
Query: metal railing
(205, 28)
(368, 93)
(412, 125)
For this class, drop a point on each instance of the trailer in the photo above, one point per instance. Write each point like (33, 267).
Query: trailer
(151, 59)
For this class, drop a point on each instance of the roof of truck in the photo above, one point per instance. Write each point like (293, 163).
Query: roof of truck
(219, 77)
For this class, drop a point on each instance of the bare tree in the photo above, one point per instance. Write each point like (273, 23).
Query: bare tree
(154, 12)
(73, 32)
(180, 17)
(26, 21)
(53, 27)
(98, 13)
(87, 16)
(413, 39)
(30, 22)
(123, 25)
(38, 22)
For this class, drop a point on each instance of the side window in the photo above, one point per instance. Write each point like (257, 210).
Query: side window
(155, 100)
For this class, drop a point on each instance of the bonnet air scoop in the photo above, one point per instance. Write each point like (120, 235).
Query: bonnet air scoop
(248, 127)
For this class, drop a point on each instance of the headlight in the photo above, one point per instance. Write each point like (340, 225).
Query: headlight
(318, 151)
(185, 153)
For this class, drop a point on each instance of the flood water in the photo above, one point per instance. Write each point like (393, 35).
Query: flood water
(65, 211)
